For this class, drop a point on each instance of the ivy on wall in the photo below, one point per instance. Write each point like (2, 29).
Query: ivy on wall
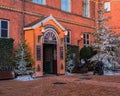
(6, 54)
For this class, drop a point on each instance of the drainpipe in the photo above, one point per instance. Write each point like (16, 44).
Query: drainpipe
(23, 20)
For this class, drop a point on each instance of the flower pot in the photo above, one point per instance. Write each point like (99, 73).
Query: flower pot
(7, 75)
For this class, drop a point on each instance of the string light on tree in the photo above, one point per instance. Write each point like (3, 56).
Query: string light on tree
(105, 40)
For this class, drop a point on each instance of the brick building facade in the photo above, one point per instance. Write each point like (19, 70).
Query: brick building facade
(113, 13)
(28, 17)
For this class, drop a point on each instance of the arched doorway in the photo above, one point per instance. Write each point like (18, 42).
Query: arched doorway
(47, 46)
(50, 52)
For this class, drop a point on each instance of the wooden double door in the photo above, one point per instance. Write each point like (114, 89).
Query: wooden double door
(49, 59)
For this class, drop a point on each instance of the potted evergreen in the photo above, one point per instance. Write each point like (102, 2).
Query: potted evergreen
(7, 72)
(23, 63)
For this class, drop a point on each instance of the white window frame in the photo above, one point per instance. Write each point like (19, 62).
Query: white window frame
(85, 39)
(37, 1)
(107, 6)
(7, 29)
(69, 6)
(86, 8)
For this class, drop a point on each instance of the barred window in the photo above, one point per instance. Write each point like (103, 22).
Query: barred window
(38, 52)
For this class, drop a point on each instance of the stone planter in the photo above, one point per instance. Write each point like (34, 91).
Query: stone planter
(7, 75)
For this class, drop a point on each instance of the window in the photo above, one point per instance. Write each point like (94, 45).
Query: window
(68, 37)
(43, 2)
(61, 53)
(39, 37)
(38, 52)
(86, 39)
(107, 6)
(86, 8)
(3, 28)
(65, 5)
(50, 37)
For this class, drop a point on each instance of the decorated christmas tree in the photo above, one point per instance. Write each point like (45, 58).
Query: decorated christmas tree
(23, 60)
(105, 41)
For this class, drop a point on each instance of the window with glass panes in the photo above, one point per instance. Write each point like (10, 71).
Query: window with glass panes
(65, 5)
(86, 39)
(86, 8)
(107, 6)
(40, 1)
(68, 37)
(3, 28)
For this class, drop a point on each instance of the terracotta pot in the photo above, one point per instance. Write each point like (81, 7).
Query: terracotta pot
(7, 75)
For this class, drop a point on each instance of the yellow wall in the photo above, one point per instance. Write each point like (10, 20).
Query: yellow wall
(31, 37)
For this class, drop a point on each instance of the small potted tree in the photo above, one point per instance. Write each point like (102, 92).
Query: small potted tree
(7, 72)
(23, 62)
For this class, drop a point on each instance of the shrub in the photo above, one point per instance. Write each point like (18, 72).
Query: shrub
(72, 53)
(72, 57)
(6, 54)
(86, 52)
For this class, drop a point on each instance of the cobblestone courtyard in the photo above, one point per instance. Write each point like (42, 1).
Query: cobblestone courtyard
(75, 85)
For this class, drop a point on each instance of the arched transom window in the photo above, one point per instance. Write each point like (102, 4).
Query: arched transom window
(50, 37)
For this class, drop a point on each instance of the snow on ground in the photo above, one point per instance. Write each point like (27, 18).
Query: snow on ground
(109, 73)
(29, 78)
(68, 74)
(24, 78)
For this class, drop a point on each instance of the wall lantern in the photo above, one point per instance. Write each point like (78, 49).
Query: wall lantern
(81, 38)
(65, 32)
(42, 28)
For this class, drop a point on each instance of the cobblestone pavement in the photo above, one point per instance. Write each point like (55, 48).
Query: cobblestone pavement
(75, 85)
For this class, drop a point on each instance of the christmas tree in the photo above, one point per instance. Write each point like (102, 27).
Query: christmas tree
(105, 41)
(23, 60)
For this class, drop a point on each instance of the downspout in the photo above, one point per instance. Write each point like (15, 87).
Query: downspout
(23, 21)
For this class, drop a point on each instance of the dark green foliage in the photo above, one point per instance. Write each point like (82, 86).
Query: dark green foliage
(87, 52)
(6, 54)
(91, 65)
(72, 53)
